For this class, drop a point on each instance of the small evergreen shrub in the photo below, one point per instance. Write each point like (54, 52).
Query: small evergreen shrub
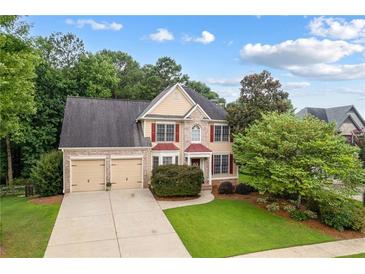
(341, 213)
(273, 207)
(177, 180)
(298, 215)
(225, 188)
(244, 189)
(46, 175)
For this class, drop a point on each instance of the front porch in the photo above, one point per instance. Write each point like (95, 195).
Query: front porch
(200, 156)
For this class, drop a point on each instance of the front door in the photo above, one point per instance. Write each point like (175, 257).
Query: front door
(195, 162)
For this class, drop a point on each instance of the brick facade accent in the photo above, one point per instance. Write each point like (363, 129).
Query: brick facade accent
(68, 154)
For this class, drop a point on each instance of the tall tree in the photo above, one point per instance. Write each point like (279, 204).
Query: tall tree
(17, 73)
(160, 75)
(284, 154)
(260, 93)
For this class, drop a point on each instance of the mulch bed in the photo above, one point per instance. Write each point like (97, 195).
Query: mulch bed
(47, 200)
(315, 224)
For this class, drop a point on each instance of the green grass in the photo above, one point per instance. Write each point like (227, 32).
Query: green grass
(25, 227)
(360, 255)
(224, 228)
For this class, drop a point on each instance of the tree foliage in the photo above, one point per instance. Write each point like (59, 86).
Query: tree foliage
(284, 154)
(260, 93)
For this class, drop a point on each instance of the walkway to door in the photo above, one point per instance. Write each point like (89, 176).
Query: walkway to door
(119, 223)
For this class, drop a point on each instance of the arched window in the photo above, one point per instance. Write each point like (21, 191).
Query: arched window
(195, 134)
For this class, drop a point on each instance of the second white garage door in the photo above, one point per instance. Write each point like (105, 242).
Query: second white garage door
(126, 173)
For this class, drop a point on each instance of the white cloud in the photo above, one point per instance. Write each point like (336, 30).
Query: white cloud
(308, 57)
(337, 28)
(161, 35)
(304, 51)
(224, 82)
(295, 85)
(80, 23)
(205, 38)
(331, 72)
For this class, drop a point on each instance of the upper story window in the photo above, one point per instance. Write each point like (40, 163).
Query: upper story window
(196, 134)
(165, 132)
(221, 133)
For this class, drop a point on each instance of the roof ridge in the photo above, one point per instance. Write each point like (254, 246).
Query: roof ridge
(106, 99)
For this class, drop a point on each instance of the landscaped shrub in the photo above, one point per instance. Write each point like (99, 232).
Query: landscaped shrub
(46, 175)
(273, 207)
(341, 213)
(310, 214)
(177, 180)
(225, 188)
(262, 200)
(289, 208)
(298, 215)
(244, 189)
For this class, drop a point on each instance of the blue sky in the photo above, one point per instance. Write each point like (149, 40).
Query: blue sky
(319, 60)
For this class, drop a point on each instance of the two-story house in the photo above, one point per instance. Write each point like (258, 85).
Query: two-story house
(121, 141)
(347, 119)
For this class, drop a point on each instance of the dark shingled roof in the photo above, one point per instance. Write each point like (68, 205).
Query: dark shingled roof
(214, 111)
(334, 114)
(92, 122)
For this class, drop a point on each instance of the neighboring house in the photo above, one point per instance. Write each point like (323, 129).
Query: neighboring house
(121, 141)
(348, 120)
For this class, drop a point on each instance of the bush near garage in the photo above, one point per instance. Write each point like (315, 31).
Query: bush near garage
(177, 180)
(46, 175)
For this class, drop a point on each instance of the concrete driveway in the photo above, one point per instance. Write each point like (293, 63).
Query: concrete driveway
(119, 223)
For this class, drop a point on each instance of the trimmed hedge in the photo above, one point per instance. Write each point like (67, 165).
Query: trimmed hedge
(46, 175)
(225, 188)
(177, 180)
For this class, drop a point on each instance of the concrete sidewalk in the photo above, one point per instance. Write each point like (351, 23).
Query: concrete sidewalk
(325, 250)
(119, 223)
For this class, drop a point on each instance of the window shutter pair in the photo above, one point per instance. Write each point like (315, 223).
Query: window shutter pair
(153, 132)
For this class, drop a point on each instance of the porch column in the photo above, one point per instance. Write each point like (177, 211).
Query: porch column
(210, 169)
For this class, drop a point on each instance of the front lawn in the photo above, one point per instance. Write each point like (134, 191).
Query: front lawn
(25, 227)
(224, 228)
(360, 255)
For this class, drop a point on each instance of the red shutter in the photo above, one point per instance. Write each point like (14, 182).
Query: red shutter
(153, 132)
(211, 133)
(231, 163)
(177, 133)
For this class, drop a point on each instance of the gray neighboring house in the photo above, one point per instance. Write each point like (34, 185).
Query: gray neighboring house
(348, 120)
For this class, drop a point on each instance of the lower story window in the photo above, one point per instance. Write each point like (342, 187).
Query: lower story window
(155, 162)
(167, 160)
(220, 164)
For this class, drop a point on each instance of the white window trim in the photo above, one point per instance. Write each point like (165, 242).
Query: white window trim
(166, 123)
(165, 154)
(228, 164)
(200, 134)
(229, 133)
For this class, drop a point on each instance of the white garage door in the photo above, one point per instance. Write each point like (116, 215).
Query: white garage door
(87, 175)
(126, 173)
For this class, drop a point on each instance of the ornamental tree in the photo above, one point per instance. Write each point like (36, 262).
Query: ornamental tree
(284, 154)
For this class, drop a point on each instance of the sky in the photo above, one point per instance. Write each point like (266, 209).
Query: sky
(319, 60)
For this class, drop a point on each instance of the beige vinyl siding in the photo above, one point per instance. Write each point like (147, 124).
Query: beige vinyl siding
(174, 104)
(347, 127)
(126, 173)
(88, 175)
